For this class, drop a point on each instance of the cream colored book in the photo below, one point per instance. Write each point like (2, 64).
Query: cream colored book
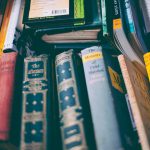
(138, 90)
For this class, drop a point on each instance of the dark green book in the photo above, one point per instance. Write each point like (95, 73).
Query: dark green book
(35, 105)
(45, 13)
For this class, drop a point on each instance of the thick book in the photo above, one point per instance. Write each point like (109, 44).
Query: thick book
(35, 105)
(7, 72)
(109, 108)
(120, 37)
(138, 90)
(40, 13)
(93, 26)
(73, 108)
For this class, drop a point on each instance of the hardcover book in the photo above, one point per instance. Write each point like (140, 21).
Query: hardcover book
(74, 133)
(90, 29)
(7, 71)
(109, 109)
(45, 13)
(138, 90)
(34, 129)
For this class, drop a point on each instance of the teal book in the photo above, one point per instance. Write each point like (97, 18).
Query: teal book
(109, 109)
(35, 105)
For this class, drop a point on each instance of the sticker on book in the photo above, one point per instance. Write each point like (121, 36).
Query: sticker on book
(117, 24)
(115, 79)
(147, 63)
(42, 9)
(92, 56)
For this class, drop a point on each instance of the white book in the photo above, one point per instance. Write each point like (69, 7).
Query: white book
(12, 34)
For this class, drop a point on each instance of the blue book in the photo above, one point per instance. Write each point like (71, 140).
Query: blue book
(35, 104)
(110, 115)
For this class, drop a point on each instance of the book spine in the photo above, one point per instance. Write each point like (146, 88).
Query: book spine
(7, 71)
(117, 21)
(128, 15)
(133, 103)
(147, 63)
(5, 23)
(101, 100)
(70, 109)
(35, 95)
(104, 20)
(12, 34)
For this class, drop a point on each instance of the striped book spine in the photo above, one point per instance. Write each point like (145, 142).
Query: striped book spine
(35, 95)
(70, 109)
(7, 71)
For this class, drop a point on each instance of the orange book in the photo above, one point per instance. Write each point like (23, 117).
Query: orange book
(5, 23)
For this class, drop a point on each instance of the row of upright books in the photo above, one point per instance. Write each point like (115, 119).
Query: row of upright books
(72, 75)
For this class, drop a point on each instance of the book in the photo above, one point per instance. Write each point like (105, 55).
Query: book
(12, 34)
(109, 108)
(51, 13)
(134, 32)
(74, 131)
(138, 90)
(5, 23)
(35, 106)
(120, 37)
(2, 10)
(72, 37)
(144, 6)
(147, 63)
(67, 33)
(7, 71)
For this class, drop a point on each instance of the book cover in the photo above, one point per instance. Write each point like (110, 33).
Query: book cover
(35, 106)
(110, 115)
(12, 34)
(74, 133)
(94, 16)
(7, 71)
(53, 13)
(138, 90)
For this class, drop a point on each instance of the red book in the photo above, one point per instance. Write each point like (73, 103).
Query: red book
(7, 71)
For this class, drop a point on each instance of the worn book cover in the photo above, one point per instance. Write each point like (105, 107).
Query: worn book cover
(72, 104)
(138, 89)
(7, 71)
(35, 106)
(110, 115)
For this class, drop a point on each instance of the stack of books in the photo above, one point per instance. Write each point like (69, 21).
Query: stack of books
(81, 72)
